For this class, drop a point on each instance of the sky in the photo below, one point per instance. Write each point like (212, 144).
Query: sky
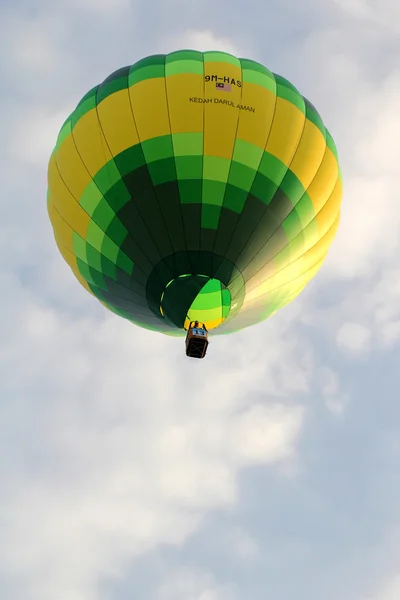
(268, 471)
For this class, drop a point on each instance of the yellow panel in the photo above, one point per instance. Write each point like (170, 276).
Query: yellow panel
(209, 324)
(65, 203)
(261, 276)
(265, 280)
(323, 183)
(67, 255)
(313, 236)
(282, 277)
(295, 274)
(309, 154)
(224, 72)
(286, 131)
(331, 210)
(62, 231)
(91, 142)
(71, 168)
(115, 115)
(322, 246)
(70, 259)
(289, 292)
(50, 209)
(186, 113)
(221, 115)
(255, 127)
(149, 103)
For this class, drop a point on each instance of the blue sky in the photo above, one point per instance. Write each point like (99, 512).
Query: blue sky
(271, 470)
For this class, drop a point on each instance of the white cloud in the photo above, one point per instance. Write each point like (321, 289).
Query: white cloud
(380, 13)
(113, 443)
(335, 400)
(354, 337)
(202, 40)
(36, 133)
(33, 42)
(185, 584)
(137, 441)
(383, 301)
(103, 8)
(391, 590)
(243, 545)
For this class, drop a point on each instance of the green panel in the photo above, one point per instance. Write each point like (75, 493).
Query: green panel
(247, 154)
(181, 55)
(292, 187)
(331, 144)
(103, 215)
(210, 216)
(107, 176)
(235, 198)
(158, 148)
(189, 167)
(305, 209)
(130, 159)
(263, 188)
(116, 231)
(216, 168)
(87, 103)
(124, 262)
(273, 168)
(112, 87)
(144, 73)
(215, 56)
(79, 245)
(90, 275)
(64, 132)
(93, 259)
(117, 75)
(292, 225)
(251, 65)
(95, 236)
(190, 191)
(162, 171)
(260, 79)
(188, 143)
(241, 176)
(213, 192)
(108, 268)
(118, 196)
(109, 249)
(313, 116)
(184, 66)
(91, 196)
(286, 90)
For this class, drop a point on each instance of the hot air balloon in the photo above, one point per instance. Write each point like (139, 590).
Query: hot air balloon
(194, 188)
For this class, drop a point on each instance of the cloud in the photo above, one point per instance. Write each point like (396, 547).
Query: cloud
(242, 544)
(205, 39)
(391, 590)
(354, 337)
(129, 443)
(184, 584)
(35, 135)
(114, 448)
(383, 14)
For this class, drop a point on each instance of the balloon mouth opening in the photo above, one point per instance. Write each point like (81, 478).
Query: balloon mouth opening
(195, 297)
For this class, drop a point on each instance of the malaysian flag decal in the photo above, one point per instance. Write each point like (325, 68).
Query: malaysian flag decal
(223, 87)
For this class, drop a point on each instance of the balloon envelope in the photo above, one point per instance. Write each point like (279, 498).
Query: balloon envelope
(194, 186)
